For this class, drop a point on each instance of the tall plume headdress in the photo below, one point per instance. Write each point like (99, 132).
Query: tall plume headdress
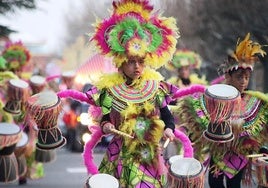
(134, 30)
(244, 56)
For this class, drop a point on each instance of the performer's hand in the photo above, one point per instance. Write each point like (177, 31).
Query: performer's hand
(107, 128)
(168, 133)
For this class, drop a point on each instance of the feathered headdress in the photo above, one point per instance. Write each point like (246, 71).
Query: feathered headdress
(184, 58)
(16, 55)
(244, 56)
(133, 30)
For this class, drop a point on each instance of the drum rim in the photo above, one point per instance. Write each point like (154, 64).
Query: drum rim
(209, 94)
(219, 140)
(107, 175)
(47, 106)
(39, 78)
(26, 85)
(10, 124)
(188, 176)
(51, 146)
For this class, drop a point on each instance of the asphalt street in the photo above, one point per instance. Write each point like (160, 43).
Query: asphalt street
(67, 171)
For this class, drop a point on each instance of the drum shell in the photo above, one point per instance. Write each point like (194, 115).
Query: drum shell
(48, 139)
(37, 84)
(17, 93)
(8, 168)
(190, 181)
(22, 165)
(45, 156)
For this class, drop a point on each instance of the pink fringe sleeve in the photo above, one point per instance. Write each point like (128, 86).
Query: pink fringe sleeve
(189, 91)
(77, 95)
(186, 143)
(88, 149)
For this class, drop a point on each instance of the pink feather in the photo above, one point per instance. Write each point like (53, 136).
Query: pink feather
(186, 143)
(189, 91)
(74, 94)
(88, 149)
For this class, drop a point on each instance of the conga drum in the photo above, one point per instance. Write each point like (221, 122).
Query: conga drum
(68, 78)
(19, 153)
(17, 92)
(37, 83)
(261, 165)
(186, 173)
(44, 108)
(10, 134)
(101, 181)
(221, 102)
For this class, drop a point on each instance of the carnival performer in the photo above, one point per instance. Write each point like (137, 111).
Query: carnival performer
(134, 100)
(229, 153)
(183, 63)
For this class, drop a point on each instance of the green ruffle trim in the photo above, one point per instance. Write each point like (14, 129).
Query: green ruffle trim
(105, 102)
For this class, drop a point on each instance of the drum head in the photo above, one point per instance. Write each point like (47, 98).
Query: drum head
(103, 181)
(18, 83)
(186, 167)
(44, 99)
(222, 91)
(38, 80)
(9, 129)
(23, 141)
(174, 158)
(68, 74)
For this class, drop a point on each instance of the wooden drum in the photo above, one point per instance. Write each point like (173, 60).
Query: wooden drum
(186, 173)
(45, 107)
(20, 154)
(17, 93)
(10, 134)
(37, 83)
(222, 103)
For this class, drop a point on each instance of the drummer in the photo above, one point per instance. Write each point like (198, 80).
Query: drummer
(233, 162)
(133, 100)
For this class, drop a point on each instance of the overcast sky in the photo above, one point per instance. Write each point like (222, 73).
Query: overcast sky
(43, 25)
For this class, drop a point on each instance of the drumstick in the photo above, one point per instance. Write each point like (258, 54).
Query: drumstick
(255, 155)
(166, 143)
(121, 133)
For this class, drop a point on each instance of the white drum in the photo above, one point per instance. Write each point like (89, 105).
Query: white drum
(17, 93)
(102, 181)
(21, 145)
(37, 83)
(10, 134)
(221, 103)
(186, 172)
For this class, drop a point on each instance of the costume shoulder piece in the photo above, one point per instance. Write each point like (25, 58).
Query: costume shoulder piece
(123, 94)
(256, 112)
(192, 112)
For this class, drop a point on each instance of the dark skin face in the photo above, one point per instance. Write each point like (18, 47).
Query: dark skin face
(133, 68)
(239, 79)
(184, 72)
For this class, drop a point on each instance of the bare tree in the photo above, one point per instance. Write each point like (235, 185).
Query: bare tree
(212, 27)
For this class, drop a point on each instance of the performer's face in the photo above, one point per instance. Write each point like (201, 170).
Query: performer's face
(133, 68)
(184, 72)
(239, 79)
